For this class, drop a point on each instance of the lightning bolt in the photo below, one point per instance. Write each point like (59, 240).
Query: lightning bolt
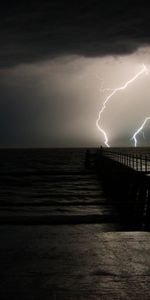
(139, 130)
(114, 91)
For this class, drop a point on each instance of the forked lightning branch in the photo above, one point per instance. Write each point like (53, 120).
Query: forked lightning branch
(144, 70)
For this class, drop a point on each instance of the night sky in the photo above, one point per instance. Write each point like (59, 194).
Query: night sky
(56, 59)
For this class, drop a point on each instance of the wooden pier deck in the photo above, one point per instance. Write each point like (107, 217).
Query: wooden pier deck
(88, 242)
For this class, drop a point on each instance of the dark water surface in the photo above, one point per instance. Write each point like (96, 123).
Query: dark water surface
(59, 238)
(55, 186)
(49, 186)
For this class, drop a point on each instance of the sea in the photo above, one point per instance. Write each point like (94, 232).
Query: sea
(60, 236)
(52, 186)
(44, 186)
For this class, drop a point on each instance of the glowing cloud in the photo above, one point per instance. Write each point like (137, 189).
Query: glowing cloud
(144, 70)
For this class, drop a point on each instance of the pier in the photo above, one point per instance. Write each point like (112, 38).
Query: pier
(126, 177)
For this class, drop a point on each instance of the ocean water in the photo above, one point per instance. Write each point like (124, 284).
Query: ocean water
(53, 186)
(73, 247)
(49, 186)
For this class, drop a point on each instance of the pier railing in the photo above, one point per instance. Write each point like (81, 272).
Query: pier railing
(135, 185)
(135, 160)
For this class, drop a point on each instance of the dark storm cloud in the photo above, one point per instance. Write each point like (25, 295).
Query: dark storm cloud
(36, 30)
